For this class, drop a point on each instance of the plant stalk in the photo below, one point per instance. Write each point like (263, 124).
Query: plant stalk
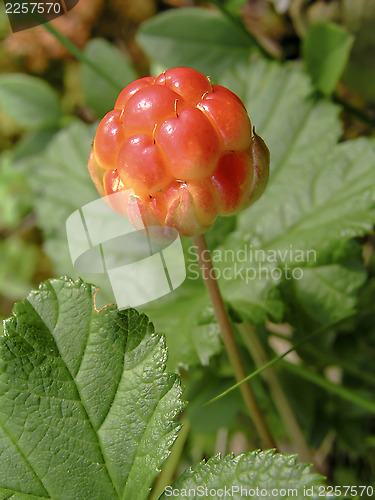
(168, 471)
(278, 395)
(210, 280)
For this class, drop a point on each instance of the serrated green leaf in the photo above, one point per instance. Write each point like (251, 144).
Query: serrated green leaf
(263, 470)
(329, 293)
(198, 38)
(320, 193)
(30, 101)
(100, 93)
(326, 50)
(86, 407)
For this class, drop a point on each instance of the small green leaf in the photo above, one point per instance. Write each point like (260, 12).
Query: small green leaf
(264, 470)
(86, 407)
(33, 143)
(329, 293)
(30, 101)
(360, 72)
(326, 50)
(18, 262)
(198, 38)
(101, 93)
(190, 327)
(15, 195)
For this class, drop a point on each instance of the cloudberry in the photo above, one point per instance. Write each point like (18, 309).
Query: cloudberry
(184, 146)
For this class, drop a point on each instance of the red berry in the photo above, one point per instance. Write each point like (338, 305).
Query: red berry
(109, 137)
(188, 83)
(186, 149)
(190, 144)
(149, 106)
(229, 120)
(131, 89)
(232, 181)
(141, 165)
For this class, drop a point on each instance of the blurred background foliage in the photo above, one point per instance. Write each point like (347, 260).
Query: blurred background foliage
(311, 84)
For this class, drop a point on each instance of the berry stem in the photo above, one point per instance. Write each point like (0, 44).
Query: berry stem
(210, 281)
(286, 413)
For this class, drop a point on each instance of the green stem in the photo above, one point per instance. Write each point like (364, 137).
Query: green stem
(73, 49)
(278, 395)
(229, 340)
(239, 24)
(328, 359)
(168, 471)
(347, 394)
(357, 112)
(277, 359)
(76, 52)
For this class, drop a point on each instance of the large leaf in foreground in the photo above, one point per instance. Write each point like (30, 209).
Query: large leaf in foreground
(265, 470)
(86, 408)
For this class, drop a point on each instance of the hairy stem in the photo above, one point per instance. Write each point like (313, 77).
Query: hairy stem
(210, 280)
